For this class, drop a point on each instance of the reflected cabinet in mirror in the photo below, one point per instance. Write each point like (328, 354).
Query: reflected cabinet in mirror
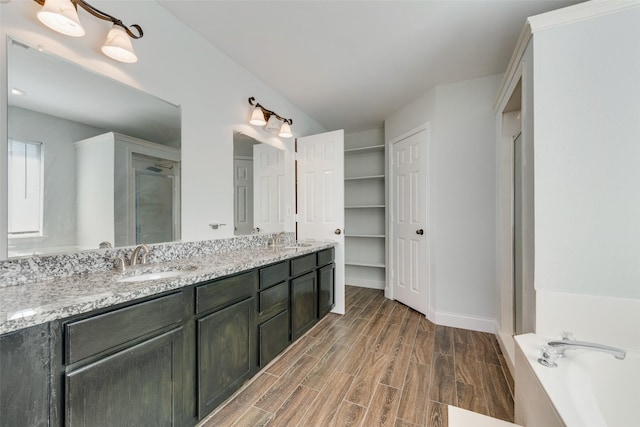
(259, 186)
(91, 162)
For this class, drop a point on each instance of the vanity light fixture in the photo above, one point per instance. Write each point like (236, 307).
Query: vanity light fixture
(261, 116)
(62, 16)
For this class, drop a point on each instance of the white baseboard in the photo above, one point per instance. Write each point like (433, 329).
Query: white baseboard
(462, 321)
(364, 283)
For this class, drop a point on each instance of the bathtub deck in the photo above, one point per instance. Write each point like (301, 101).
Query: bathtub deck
(459, 417)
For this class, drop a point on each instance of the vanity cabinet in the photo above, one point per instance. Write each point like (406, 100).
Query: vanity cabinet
(141, 385)
(165, 360)
(304, 303)
(326, 273)
(125, 366)
(312, 291)
(274, 332)
(225, 338)
(25, 373)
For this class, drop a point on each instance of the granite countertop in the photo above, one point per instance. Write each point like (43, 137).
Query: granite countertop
(42, 301)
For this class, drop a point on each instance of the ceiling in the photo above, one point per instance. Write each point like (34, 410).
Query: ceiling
(351, 64)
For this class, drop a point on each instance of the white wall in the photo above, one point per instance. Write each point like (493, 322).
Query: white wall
(587, 209)
(178, 65)
(462, 196)
(587, 125)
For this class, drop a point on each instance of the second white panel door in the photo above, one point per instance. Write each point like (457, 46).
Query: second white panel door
(408, 220)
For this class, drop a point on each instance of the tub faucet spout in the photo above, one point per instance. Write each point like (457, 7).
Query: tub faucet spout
(562, 346)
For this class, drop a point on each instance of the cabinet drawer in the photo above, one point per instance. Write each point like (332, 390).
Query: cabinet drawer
(326, 256)
(303, 264)
(274, 337)
(91, 336)
(273, 300)
(224, 291)
(274, 274)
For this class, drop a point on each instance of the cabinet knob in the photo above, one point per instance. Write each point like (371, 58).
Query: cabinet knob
(420, 231)
(338, 231)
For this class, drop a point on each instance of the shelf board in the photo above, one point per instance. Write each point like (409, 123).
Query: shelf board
(355, 178)
(373, 236)
(366, 264)
(362, 150)
(364, 207)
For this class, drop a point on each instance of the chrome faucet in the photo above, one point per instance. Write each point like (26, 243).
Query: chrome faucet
(136, 253)
(564, 345)
(279, 236)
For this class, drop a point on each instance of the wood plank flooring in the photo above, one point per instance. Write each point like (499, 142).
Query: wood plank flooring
(380, 364)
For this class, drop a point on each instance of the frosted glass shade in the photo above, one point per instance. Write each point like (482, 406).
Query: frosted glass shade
(257, 117)
(61, 16)
(118, 45)
(285, 131)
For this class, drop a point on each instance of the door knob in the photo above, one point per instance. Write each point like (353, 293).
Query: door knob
(420, 231)
(338, 231)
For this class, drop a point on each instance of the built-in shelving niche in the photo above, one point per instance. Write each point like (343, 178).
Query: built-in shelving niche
(365, 230)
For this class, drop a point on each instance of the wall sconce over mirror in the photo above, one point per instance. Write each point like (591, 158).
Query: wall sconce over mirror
(261, 116)
(62, 16)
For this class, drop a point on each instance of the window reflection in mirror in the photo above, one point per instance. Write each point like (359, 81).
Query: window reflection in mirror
(259, 186)
(53, 105)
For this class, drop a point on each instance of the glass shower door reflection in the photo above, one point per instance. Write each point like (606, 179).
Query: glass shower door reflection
(154, 195)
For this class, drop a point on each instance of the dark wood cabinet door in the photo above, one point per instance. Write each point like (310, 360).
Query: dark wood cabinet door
(325, 289)
(304, 303)
(226, 353)
(274, 337)
(25, 372)
(139, 386)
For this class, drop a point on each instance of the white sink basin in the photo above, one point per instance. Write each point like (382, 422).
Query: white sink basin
(153, 276)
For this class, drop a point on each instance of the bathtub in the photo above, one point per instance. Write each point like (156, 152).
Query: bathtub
(587, 389)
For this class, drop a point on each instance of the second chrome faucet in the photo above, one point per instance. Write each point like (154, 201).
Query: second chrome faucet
(138, 256)
(140, 251)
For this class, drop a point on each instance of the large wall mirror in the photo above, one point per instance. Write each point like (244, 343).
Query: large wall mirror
(262, 198)
(91, 163)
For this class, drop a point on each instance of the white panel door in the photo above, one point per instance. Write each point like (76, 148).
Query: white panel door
(243, 196)
(408, 220)
(320, 197)
(268, 189)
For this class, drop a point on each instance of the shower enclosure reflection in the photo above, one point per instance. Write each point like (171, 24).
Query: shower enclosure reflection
(132, 197)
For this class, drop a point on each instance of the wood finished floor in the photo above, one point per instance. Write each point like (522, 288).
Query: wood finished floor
(381, 364)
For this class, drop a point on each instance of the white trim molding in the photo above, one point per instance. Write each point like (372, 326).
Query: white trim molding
(462, 321)
(579, 12)
(556, 18)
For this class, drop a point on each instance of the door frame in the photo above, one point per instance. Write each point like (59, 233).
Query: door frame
(388, 290)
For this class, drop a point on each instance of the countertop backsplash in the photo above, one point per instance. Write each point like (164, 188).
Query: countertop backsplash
(41, 268)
